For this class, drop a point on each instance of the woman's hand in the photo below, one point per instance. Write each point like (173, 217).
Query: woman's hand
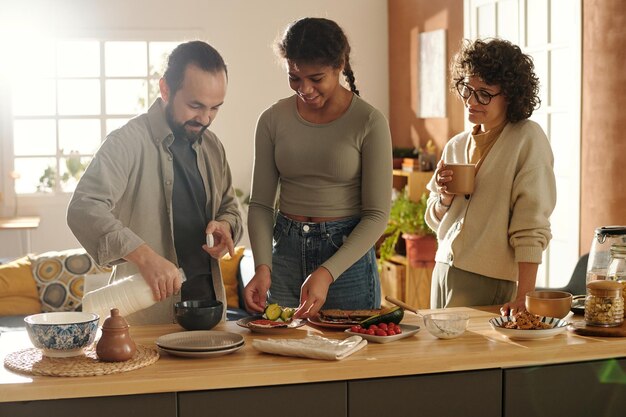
(255, 293)
(527, 277)
(513, 307)
(443, 176)
(313, 293)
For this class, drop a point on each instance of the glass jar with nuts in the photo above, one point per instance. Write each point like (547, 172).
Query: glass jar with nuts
(604, 305)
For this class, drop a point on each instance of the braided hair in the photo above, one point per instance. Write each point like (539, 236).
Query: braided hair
(319, 41)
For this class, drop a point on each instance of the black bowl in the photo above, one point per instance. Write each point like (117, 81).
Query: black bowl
(198, 314)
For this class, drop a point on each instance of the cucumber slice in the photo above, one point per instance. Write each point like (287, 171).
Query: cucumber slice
(272, 312)
(287, 313)
(391, 315)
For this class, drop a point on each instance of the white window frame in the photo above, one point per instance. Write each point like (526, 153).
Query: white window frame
(37, 201)
(562, 254)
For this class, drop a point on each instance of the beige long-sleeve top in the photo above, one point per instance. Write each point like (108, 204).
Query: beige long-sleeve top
(507, 218)
(337, 169)
(124, 199)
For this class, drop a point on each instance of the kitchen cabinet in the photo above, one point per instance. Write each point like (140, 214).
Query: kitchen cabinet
(398, 278)
(594, 388)
(467, 394)
(302, 400)
(148, 405)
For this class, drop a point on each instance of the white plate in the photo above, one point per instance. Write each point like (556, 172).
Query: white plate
(407, 330)
(200, 340)
(558, 326)
(245, 322)
(200, 354)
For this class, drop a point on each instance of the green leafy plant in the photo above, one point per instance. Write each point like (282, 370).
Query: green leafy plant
(243, 198)
(406, 216)
(75, 168)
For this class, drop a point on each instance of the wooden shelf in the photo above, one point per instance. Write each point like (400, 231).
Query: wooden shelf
(399, 259)
(415, 181)
(398, 278)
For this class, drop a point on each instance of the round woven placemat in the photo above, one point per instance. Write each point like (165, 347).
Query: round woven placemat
(31, 361)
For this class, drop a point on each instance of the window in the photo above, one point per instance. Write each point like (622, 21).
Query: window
(66, 95)
(550, 31)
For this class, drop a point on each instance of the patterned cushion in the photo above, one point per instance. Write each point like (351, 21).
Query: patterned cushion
(60, 278)
(229, 267)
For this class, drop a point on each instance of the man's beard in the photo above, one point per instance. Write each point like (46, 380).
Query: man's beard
(179, 130)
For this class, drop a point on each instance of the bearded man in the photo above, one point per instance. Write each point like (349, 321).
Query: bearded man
(159, 185)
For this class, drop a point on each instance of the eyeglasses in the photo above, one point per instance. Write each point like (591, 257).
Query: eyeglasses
(481, 96)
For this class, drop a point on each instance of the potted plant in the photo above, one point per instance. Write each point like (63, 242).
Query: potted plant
(406, 219)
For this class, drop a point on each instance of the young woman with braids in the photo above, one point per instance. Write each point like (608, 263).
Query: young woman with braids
(491, 242)
(326, 154)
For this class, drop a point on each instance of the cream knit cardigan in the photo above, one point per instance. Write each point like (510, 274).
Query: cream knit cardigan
(507, 218)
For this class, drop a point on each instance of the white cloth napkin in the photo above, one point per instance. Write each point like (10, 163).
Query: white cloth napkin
(315, 347)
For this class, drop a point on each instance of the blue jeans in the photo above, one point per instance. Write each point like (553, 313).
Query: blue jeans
(300, 248)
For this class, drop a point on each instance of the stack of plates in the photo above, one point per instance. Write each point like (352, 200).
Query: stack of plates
(200, 343)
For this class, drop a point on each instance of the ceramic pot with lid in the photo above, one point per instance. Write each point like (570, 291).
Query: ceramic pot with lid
(115, 345)
(600, 253)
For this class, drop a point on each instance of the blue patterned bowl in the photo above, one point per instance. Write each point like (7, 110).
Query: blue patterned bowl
(62, 334)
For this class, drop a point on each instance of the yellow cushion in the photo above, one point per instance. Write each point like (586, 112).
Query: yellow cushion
(60, 278)
(229, 266)
(18, 290)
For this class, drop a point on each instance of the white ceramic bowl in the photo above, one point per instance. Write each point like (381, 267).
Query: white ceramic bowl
(62, 334)
(446, 325)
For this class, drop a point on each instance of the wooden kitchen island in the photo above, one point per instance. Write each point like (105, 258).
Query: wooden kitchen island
(479, 374)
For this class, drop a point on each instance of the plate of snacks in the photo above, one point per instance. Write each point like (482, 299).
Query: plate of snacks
(275, 320)
(383, 332)
(341, 319)
(526, 326)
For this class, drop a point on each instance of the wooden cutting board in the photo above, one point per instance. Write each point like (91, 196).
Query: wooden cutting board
(579, 327)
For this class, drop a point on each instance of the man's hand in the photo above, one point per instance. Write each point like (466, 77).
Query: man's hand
(222, 239)
(313, 293)
(161, 275)
(255, 293)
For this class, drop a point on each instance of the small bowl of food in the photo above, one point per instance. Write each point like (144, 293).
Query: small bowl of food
(549, 303)
(446, 325)
(62, 334)
(198, 314)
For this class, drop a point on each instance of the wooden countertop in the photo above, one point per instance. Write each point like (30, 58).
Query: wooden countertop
(479, 348)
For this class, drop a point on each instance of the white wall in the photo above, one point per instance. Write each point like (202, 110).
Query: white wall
(243, 31)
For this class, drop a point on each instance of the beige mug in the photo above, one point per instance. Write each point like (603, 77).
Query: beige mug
(462, 178)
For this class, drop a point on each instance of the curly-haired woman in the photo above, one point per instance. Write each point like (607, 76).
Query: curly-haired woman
(330, 152)
(491, 242)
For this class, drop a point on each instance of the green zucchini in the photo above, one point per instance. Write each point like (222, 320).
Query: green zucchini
(390, 315)
(272, 312)
(286, 314)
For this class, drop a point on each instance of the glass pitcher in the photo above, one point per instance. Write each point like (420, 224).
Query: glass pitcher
(600, 253)
(617, 266)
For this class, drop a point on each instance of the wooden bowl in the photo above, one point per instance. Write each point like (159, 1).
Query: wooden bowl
(549, 303)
